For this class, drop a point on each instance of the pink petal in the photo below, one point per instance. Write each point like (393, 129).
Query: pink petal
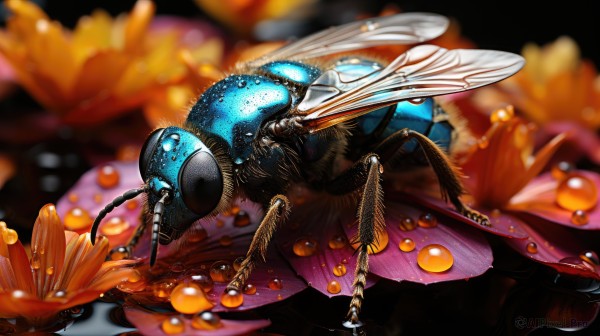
(556, 247)
(538, 198)
(581, 140)
(503, 224)
(149, 323)
(469, 248)
(88, 195)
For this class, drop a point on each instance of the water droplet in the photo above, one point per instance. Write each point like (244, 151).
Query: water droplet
(114, 226)
(132, 204)
(10, 236)
(337, 242)
(427, 220)
(578, 263)
(241, 84)
(561, 170)
(170, 142)
(339, 269)
(108, 177)
(134, 277)
(221, 271)
(275, 284)
(226, 240)
(73, 197)
(590, 256)
(511, 228)
(98, 198)
(242, 218)
(305, 247)
(119, 253)
(35, 261)
(220, 100)
(503, 114)
(576, 192)
(435, 258)
(495, 213)
(50, 270)
(237, 263)
(257, 81)
(232, 298)
(77, 219)
(531, 247)
(483, 142)
(249, 289)
(219, 223)
(206, 321)
(163, 288)
(238, 161)
(406, 245)
(369, 26)
(59, 294)
(344, 261)
(334, 287)
(177, 267)
(579, 217)
(203, 280)
(173, 325)
(381, 242)
(416, 101)
(407, 224)
(197, 234)
(188, 298)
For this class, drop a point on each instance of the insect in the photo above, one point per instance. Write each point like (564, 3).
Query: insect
(284, 118)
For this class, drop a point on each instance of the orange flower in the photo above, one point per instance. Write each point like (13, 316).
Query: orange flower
(103, 67)
(64, 271)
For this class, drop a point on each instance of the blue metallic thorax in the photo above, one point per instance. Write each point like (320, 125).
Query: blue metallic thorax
(173, 148)
(235, 108)
(295, 72)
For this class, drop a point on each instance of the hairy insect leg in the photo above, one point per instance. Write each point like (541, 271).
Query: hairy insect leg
(366, 173)
(448, 175)
(278, 211)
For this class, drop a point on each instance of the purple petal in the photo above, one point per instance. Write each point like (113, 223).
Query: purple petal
(503, 225)
(554, 246)
(539, 198)
(582, 139)
(469, 248)
(150, 323)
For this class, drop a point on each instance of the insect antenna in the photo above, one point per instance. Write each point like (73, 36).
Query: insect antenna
(112, 205)
(159, 208)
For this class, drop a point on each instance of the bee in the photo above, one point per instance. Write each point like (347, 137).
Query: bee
(285, 118)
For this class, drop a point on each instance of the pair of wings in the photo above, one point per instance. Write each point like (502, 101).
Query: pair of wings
(423, 71)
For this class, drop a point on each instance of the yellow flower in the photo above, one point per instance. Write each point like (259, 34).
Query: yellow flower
(103, 67)
(64, 271)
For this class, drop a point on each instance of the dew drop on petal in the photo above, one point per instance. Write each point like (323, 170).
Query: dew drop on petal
(35, 261)
(561, 170)
(483, 142)
(249, 289)
(237, 263)
(203, 280)
(339, 269)
(119, 253)
(173, 325)
(134, 277)
(132, 204)
(435, 258)
(305, 247)
(197, 234)
(531, 247)
(114, 226)
(188, 298)
(226, 240)
(241, 218)
(73, 197)
(427, 220)
(578, 263)
(206, 321)
(108, 177)
(77, 219)
(275, 284)
(502, 114)
(232, 298)
(576, 192)
(50, 270)
(407, 224)
(163, 288)
(334, 287)
(495, 213)
(337, 242)
(406, 245)
(221, 271)
(579, 217)
(10, 236)
(344, 261)
(511, 228)
(590, 256)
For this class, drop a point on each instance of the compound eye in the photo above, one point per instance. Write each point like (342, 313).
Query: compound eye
(148, 149)
(201, 183)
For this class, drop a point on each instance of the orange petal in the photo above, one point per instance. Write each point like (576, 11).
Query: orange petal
(92, 34)
(98, 76)
(25, 9)
(89, 264)
(137, 24)
(21, 267)
(75, 251)
(7, 279)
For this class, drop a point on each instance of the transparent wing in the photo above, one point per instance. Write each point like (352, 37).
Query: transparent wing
(406, 28)
(422, 71)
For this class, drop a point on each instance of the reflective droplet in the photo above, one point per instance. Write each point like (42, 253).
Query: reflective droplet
(495, 213)
(114, 226)
(427, 220)
(221, 271)
(187, 298)
(380, 243)
(170, 142)
(232, 298)
(511, 228)
(77, 219)
(206, 321)
(407, 224)
(119, 253)
(98, 198)
(108, 177)
(531, 247)
(305, 247)
(275, 284)
(132, 204)
(561, 170)
(241, 84)
(337, 242)
(226, 240)
(576, 192)
(483, 142)
(579, 217)
(249, 289)
(163, 288)
(435, 258)
(590, 256)
(203, 280)
(578, 263)
(35, 261)
(50, 270)
(173, 325)
(369, 26)
(334, 287)
(407, 245)
(73, 197)
(219, 223)
(197, 234)
(339, 269)
(237, 263)
(177, 267)
(134, 277)
(58, 294)
(344, 261)
(502, 114)
(241, 218)
(10, 236)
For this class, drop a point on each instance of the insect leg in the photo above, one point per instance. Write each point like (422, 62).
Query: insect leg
(366, 173)
(448, 175)
(278, 210)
